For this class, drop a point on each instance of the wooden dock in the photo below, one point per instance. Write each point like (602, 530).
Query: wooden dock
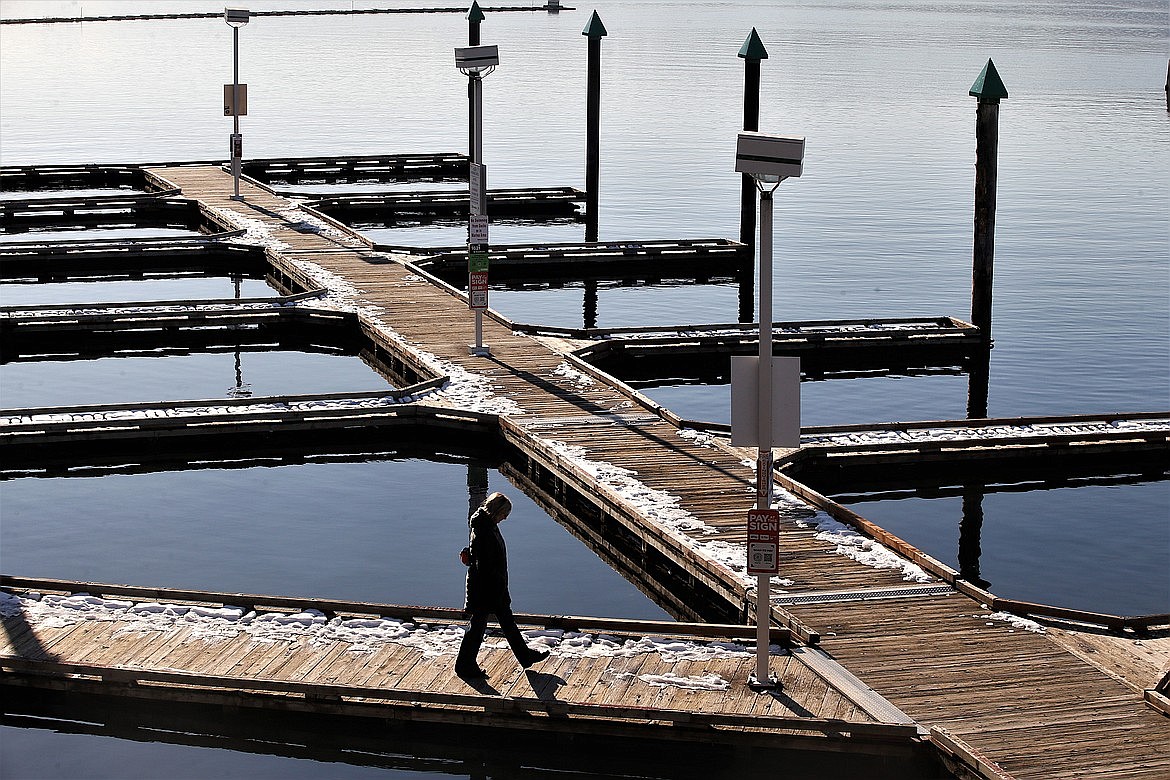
(363, 169)
(605, 677)
(154, 210)
(653, 261)
(388, 209)
(134, 258)
(997, 699)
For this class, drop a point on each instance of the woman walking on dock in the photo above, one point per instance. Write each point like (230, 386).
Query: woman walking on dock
(486, 559)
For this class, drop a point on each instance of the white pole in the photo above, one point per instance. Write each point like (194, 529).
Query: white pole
(764, 453)
(235, 109)
(477, 157)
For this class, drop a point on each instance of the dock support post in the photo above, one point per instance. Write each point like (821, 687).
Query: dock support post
(477, 488)
(989, 89)
(978, 383)
(752, 53)
(589, 305)
(474, 17)
(970, 533)
(594, 31)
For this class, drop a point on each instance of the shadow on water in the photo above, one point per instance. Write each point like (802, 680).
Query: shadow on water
(410, 747)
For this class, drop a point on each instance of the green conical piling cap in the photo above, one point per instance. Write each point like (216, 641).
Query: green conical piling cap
(989, 86)
(753, 48)
(595, 29)
(475, 14)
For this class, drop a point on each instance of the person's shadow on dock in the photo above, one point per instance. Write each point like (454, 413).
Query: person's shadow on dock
(544, 685)
(481, 685)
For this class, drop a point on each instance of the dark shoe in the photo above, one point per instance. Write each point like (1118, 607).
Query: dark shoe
(535, 656)
(474, 673)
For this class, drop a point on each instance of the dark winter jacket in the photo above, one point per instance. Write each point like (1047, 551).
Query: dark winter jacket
(487, 576)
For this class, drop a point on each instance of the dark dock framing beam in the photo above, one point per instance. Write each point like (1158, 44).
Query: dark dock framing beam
(702, 352)
(589, 261)
(359, 169)
(526, 203)
(150, 210)
(136, 258)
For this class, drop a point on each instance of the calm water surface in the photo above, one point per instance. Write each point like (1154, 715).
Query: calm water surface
(121, 290)
(879, 225)
(182, 377)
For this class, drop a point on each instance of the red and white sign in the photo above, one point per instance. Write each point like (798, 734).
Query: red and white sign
(763, 541)
(477, 289)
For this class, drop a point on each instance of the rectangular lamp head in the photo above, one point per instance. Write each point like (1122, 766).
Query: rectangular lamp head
(757, 154)
(236, 17)
(475, 58)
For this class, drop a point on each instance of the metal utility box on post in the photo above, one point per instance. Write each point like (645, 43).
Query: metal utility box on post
(768, 159)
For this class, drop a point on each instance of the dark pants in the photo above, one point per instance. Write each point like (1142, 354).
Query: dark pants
(469, 648)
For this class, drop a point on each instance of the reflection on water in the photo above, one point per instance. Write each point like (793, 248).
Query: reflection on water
(115, 291)
(376, 530)
(1097, 547)
(108, 234)
(888, 398)
(180, 376)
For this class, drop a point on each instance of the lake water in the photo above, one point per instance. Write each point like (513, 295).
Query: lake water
(879, 225)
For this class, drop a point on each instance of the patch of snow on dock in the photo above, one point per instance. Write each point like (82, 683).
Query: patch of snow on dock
(1015, 621)
(879, 437)
(311, 627)
(657, 505)
(864, 550)
(705, 682)
(664, 510)
(211, 409)
(578, 378)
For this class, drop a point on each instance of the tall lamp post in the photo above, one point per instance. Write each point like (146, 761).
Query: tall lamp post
(236, 18)
(475, 62)
(769, 160)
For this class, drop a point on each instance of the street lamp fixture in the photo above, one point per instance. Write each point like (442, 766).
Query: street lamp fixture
(237, 18)
(769, 160)
(475, 62)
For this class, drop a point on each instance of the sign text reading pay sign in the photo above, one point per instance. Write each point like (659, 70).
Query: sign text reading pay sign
(763, 541)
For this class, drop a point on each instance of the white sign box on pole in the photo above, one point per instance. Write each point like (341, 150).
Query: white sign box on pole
(478, 229)
(229, 100)
(745, 408)
(477, 179)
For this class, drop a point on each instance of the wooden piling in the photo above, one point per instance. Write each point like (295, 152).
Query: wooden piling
(752, 53)
(989, 89)
(475, 15)
(594, 31)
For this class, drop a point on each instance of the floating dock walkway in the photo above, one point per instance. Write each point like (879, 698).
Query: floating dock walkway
(993, 694)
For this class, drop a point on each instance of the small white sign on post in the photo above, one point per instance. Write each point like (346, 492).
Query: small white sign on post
(763, 541)
(229, 100)
(745, 408)
(477, 229)
(477, 179)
